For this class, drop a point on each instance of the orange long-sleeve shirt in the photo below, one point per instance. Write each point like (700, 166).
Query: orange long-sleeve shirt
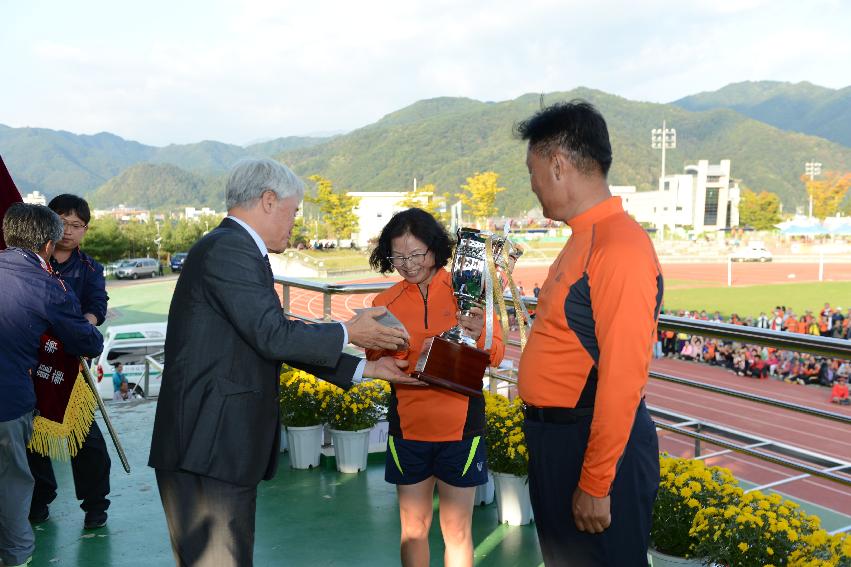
(431, 413)
(592, 339)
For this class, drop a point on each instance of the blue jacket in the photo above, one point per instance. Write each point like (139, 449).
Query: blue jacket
(84, 275)
(31, 302)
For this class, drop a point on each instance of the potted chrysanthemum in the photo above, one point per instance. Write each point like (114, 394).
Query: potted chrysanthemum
(685, 487)
(757, 530)
(304, 399)
(508, 458)
(351, 414)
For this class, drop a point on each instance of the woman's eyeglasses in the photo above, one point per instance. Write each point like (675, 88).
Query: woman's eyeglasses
(413, 259)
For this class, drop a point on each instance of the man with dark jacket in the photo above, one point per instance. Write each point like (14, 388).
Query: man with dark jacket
(216, 432)
(33, 301)
(90, 466)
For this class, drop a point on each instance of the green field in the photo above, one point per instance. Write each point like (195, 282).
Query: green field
(139, 303)
(148, 302)
(751, 300)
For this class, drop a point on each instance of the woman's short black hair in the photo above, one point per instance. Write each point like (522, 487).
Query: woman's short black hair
(419, 224)
(66, 204)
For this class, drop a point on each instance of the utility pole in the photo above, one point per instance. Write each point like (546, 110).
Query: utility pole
(812, 168)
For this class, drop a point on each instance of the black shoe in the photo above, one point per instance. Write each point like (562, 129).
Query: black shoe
(40, 516)
(94, 520)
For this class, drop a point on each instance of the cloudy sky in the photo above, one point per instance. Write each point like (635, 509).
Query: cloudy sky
(182, 71)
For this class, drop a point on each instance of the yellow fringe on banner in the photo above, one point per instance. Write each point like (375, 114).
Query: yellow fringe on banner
(63, 440)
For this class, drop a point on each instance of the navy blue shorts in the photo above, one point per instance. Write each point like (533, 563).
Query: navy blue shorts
(458, 463)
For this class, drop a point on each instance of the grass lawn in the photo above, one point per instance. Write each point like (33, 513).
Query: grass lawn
(149, 302)
(336, 259)
(751, 300)
(139, 303)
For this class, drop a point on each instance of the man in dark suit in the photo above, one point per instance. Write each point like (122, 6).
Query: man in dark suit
(216, 432)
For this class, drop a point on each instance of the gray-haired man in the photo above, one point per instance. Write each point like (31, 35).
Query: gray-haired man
(33, 301)
(216, 430)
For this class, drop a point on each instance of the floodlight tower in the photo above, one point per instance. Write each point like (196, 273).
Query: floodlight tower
(663, 139)
(812, 168)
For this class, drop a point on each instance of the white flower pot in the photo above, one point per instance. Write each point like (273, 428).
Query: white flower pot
(512, 499)
(659, 559)
(304, 445)
(485, 492)
(351, 449)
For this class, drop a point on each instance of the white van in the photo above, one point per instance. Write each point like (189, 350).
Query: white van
(131, 345)
(755, 251)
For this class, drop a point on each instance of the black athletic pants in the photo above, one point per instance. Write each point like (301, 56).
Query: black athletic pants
(90, 467)
(556, 452)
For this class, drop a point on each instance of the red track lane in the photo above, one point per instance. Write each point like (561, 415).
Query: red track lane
(792, 428)
(746, 273)
(812, 433)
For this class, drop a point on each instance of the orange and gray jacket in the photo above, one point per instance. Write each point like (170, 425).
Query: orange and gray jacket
(594, 330)
(431, 413)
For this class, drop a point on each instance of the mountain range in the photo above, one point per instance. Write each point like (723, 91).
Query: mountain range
(55, 161)
(799, 107)
(768, 130)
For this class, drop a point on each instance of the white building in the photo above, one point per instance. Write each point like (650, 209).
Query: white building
(374, 210)
(704, 197)
(123, 213)
(191, 213)
(35, 198)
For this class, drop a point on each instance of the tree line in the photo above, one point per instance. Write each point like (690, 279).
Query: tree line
(331, 215)
(763, 210)
(334, 217)
(108, 240)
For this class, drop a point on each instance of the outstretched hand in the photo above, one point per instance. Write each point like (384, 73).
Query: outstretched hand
(390, 369)
(365, 332)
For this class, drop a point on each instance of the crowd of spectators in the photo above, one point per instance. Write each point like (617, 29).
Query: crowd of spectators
(764, 362)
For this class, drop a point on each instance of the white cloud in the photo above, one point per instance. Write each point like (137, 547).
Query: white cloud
(263, 68)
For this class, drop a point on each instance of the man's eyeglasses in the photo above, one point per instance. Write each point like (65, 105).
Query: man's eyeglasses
(74, 225)
(413, 259)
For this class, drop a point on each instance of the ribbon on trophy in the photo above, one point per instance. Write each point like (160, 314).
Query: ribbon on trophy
(495, 285)
(65, 403)
(490, 287)
(519, 309)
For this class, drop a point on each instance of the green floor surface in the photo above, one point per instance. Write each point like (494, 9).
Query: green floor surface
(304, 518)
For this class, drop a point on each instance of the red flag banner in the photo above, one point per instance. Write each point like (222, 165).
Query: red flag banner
(64, 401)
(9, 195)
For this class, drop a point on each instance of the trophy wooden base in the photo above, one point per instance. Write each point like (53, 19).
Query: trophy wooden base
(451, 365)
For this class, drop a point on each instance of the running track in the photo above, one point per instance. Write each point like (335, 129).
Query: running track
(819, 435)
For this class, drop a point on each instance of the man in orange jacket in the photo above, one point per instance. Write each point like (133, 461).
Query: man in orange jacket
(593, 451)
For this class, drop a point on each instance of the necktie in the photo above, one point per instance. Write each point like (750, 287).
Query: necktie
(269, 266)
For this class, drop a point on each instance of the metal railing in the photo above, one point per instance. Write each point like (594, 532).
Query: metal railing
(807, 462)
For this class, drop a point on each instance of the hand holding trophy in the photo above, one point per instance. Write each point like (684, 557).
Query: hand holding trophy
(452, 360)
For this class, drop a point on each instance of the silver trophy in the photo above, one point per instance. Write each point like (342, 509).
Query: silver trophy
(469, 264)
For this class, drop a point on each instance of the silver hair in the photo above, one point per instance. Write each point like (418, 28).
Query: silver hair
(31, 226)
(250, 178)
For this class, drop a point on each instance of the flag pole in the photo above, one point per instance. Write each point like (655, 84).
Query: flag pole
(90, 381)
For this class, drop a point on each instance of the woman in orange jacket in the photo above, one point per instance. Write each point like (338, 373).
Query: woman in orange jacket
(436, 435)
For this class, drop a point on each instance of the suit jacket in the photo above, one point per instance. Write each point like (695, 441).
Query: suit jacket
(218, 411)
